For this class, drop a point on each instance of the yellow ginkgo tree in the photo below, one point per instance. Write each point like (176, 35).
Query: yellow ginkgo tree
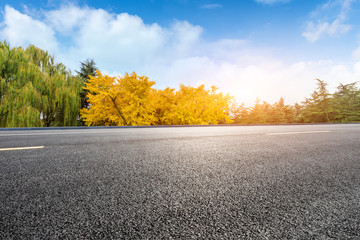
(192, 105)
(119, 101)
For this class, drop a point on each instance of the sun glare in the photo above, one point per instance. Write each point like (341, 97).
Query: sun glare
(243, 95)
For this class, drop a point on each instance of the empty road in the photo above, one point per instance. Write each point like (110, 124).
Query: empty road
(223, 182)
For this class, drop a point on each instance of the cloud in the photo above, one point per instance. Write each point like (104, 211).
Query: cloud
(320, 26)
(119, 42)
(20, 29)
(314, 31)
(271, 2)
(171, 55)
(211, 6)
(356, 52)
(67, 19)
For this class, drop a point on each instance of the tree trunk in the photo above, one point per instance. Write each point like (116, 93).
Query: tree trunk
(118, 110)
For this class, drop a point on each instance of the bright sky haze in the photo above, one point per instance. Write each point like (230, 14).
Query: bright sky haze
(249, 48)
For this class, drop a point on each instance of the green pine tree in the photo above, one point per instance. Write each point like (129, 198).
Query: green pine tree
(318, 108)
(88, 68)
(347, 103)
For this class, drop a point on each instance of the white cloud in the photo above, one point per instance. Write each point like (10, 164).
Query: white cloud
(168, 55)
(119, 42)
(211, 6)
(356, 68)
(356, 53)
(21, 30)
(314, 31)
(270, 2)
(321, 25)
(67, 19)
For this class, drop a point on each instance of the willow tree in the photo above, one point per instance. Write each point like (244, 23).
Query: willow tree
(34, 90)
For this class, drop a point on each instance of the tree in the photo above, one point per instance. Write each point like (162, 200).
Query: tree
(131, 100)
(264, 113)
(88, 68)
(258, 114)
(318, 108)
(191, 105)
(347, 103)
(164, 103)
(282, 113)
(277, 113)
(119, 101)
(239, 113)
(34, 90)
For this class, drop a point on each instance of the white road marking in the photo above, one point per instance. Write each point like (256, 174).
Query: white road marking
(20, 148)
(286, 133)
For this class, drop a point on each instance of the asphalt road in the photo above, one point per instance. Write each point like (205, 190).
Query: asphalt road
(241, 182)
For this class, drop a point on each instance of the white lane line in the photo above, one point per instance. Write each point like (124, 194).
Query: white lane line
(20, 148)
(286, 133)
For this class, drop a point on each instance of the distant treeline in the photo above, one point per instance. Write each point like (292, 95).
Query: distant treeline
(320, 107)
(37, 92)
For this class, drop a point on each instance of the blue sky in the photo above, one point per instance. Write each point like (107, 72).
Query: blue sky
(249, 48)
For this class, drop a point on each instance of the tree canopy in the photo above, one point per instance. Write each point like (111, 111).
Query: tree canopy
(192, 105)
(119, 101)
(34, 90)
(131, 100)
(88, 68)
(264, 113)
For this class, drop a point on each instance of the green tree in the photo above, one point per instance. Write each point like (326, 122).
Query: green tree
(347, 103)
(282, 113)
(278, 114)
(263, 113)
(34, 90)
(298, 112)
(258, 114)
(239, 113)
(88, 68)
(318, 108)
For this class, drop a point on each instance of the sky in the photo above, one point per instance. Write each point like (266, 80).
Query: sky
(250, 49)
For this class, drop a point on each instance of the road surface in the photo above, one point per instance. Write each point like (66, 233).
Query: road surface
(226, 182)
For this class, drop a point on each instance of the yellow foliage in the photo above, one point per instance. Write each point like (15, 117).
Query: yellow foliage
(131, 100)
(190, 106)
(119, 101)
